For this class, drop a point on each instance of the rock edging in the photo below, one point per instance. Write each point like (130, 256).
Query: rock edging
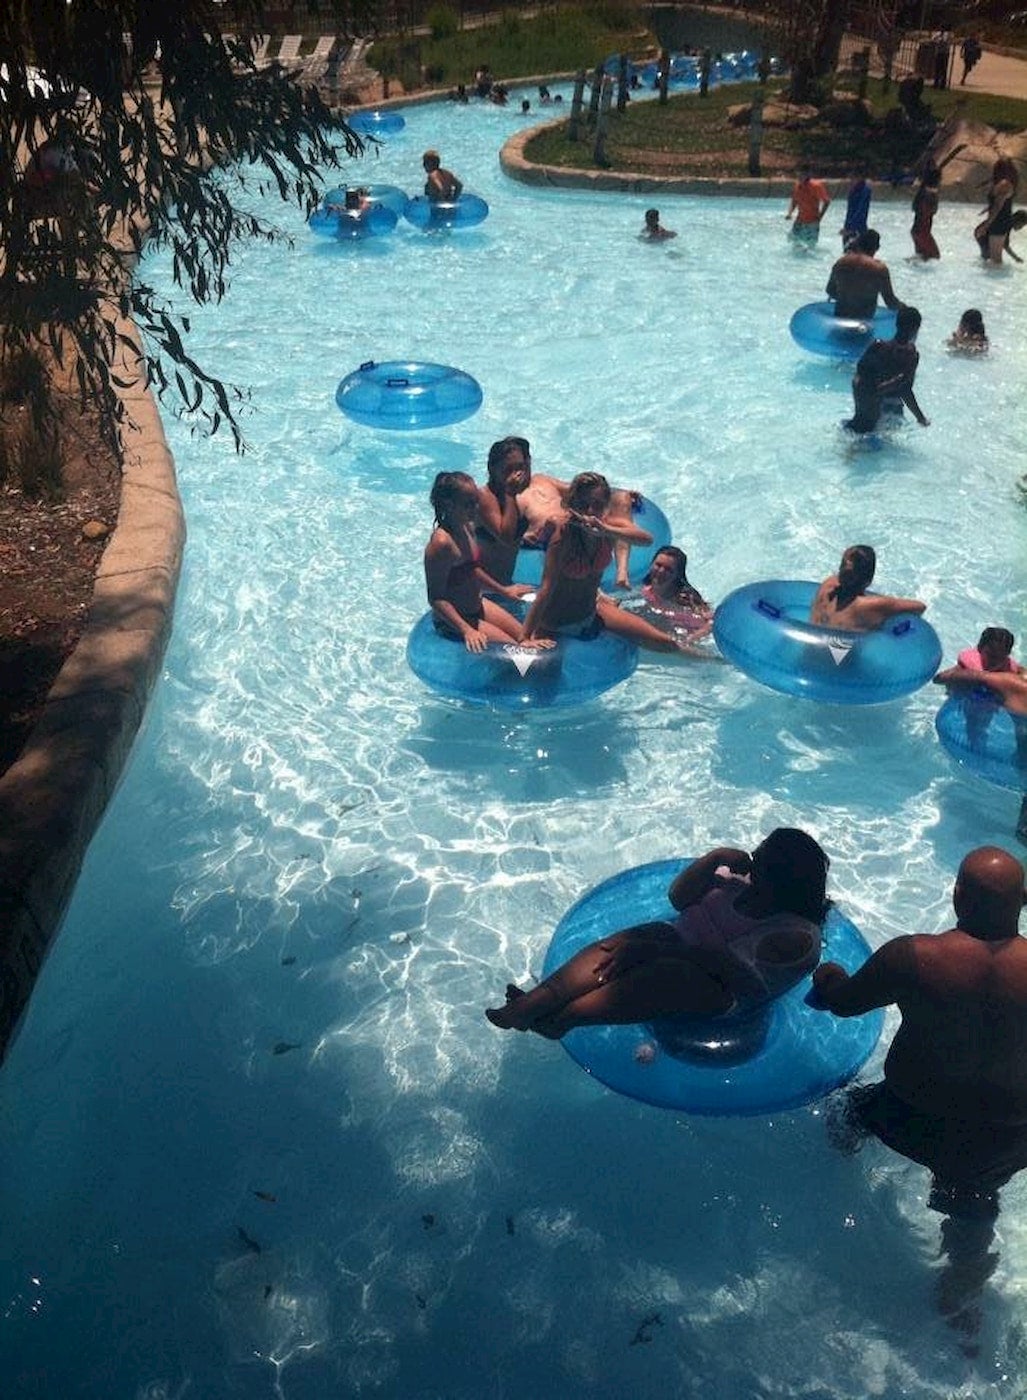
(962, 183)
(53, 797)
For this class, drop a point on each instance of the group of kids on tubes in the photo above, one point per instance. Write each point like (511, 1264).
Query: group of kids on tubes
(584, 525)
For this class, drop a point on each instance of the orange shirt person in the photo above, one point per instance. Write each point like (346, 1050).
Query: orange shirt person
(809, 204)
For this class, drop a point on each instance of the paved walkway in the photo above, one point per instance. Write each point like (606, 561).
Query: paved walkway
(1001, 74)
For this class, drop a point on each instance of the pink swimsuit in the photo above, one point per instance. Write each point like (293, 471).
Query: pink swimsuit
(971, 660)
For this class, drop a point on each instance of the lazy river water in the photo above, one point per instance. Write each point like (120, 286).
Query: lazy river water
(258, 1138)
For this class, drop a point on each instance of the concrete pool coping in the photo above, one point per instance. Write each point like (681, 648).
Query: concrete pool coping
(53, 796)
(964, 190)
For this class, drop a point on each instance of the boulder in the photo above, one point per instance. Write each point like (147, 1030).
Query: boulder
(977, 147)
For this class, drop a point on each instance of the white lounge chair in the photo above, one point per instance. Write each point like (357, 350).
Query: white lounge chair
(289, 53)
(316, 65)
(322, 49)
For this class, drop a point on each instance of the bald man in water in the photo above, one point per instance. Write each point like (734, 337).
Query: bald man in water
(954, 1096)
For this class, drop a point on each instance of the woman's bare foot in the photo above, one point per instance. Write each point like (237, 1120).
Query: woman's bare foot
(523, 1010)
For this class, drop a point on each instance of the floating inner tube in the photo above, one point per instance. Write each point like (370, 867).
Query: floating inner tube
(509, 677)
(763, 629)
(376, 123)
(816, 328)
(463, 212)
(682, 623)
(531, 561)
(404, 395)
(781, 1056)
(390, 195)
(982, 736)
(342, 223)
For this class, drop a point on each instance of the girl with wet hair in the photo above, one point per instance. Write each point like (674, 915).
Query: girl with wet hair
(453, 572)
(842, 601)
(666, 589)
(748, 928)
(568, 602)
(970, 337)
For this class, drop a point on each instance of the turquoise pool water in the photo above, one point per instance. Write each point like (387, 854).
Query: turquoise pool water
(258, 1138)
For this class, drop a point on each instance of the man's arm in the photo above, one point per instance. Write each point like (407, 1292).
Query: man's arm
(1001, 682)
(909, 399)
(879, 982)
(887, 291)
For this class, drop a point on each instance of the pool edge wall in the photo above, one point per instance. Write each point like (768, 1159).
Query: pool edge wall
(54, 795)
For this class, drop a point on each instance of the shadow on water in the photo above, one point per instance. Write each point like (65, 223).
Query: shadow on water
(537, 756)
(806, 752)
(878, 1269)
(821, 373)
(398, 463)
(340, 248)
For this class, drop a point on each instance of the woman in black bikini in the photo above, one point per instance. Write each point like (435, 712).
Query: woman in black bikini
(991, 233)
(453, 572)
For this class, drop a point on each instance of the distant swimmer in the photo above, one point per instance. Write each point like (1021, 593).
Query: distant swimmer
(809, 204)
(653, 231)
(970, 336)
(441, 185)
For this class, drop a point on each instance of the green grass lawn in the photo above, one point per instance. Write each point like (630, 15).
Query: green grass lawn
(556, 41)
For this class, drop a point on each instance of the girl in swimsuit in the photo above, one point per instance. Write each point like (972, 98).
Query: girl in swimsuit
(568, 601)
(501, 524)
(748, 928)
(454, 575)
(667, 591)
(842, 600)
(992, 232)
(969, 337)
(522, 509)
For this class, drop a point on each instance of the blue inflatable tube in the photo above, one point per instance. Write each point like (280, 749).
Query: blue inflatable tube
(376, 123)
(463, 212)
(404, 395)
(390, 195)
(784, 1056)
(346, 224)
(531, 562)
(981, 735)
(324, 222)
(816, 328)
(508, 677)
(764, 629)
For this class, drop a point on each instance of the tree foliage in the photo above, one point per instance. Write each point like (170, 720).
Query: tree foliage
(809, 38)
(169, 121)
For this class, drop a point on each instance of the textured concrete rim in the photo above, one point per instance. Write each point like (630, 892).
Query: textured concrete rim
(53, 797)
(514, 163)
